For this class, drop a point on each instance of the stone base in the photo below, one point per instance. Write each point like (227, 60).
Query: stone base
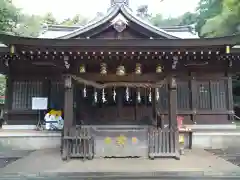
(26, 139)
(216, 140)
(212, 126)
(18, 127)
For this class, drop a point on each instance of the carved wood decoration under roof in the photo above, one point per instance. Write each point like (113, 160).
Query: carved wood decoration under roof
(118, 9)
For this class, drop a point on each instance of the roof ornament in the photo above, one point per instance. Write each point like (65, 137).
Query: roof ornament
(119, 23)
(119, 2)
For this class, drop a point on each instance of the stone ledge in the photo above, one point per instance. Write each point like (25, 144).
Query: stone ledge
(28, 133)
(212, 126)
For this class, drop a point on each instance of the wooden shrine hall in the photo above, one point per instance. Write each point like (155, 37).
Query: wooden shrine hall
(121, 83)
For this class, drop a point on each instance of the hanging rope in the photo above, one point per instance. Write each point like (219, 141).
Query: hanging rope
(118, 84)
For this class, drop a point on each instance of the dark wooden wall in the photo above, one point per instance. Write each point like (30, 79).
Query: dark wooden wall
(201, 99)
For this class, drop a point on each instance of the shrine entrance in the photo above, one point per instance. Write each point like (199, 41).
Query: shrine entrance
(113, 106)
(119, 117)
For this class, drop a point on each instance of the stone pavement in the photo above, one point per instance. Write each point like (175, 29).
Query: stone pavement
(49, 161)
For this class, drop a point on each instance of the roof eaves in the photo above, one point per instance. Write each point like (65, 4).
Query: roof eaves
(113, 11)
(127, 12)
(3, 48)
(62, 28)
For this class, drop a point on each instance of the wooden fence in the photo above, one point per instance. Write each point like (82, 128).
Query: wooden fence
(163, 142)
(78, 142)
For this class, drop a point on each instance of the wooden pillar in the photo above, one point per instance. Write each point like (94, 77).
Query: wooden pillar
(8, 98)
(68, 103)
(230, 98)
(172, 101)
(172, 115)
(68, 114)
(193, 85)
(45, 93)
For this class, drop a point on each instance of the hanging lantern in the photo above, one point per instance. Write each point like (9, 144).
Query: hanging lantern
(82, 69)
(159, 69)
(227, 49)
(157, 94)
(12, 49)
(127, 94)
(103, 68)
(120, 71)
(138, 69)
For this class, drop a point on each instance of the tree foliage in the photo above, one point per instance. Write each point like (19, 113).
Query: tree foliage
(142, 12)
(9, 15)
(225, 21)
(158, 20)
(13, 21)
(76, 20)
(29, 26)
(186, 19)
(48, 18)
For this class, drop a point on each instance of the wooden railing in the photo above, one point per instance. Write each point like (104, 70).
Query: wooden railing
(77, 142)
(80, 142)
(163, 142)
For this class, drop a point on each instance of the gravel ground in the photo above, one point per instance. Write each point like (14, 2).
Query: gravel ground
(120, 177)
(5, 161)
(231, 154)
(9, 157)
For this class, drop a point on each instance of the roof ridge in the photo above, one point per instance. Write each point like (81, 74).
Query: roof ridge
(112, 11)
(115, 9)
(147, 25)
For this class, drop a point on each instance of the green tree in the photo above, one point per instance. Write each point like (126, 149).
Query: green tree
(186, 19)
(49, 19)
(207, 9)
(76, 20)
(9, 15)
(80, 20)
(142, 12)
(225, 22)
(29, 26)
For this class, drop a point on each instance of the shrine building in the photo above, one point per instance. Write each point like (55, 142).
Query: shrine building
(120, 77)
